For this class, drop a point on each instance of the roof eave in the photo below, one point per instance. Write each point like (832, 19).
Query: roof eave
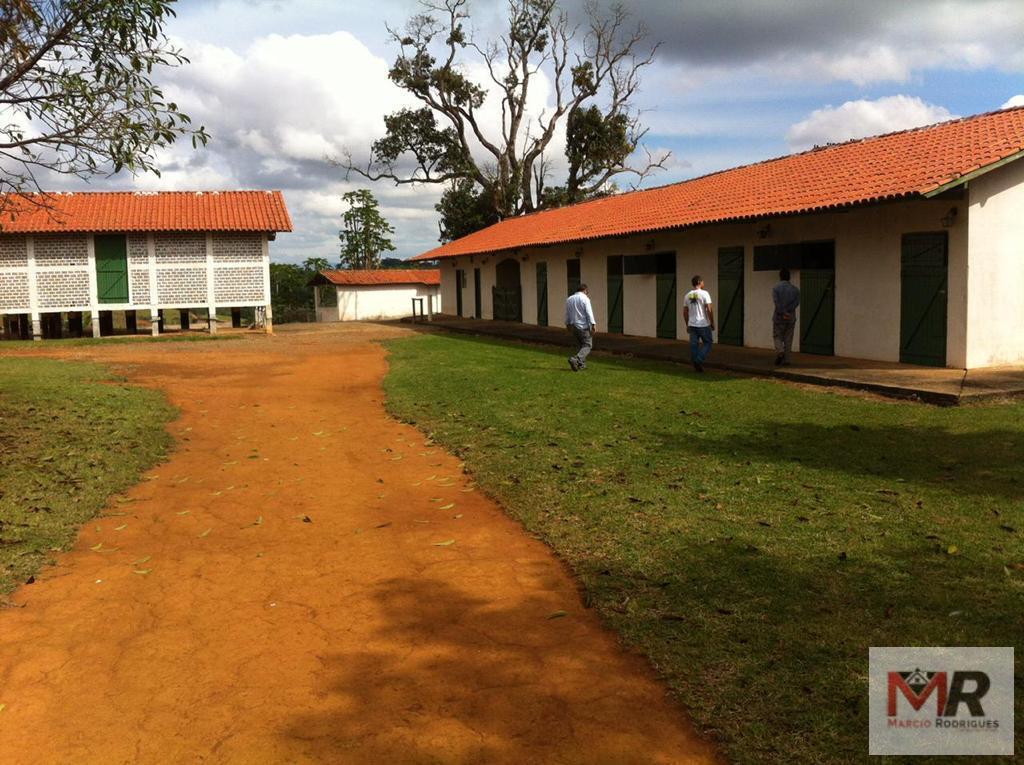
(961, 180)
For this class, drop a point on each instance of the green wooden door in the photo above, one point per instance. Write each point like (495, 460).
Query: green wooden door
(572, 272)
(615, 294)
(817, 310)
(476, 294)
(111, 268)
(542, 294)
(923, 298)
(666, 295)
(730, 295)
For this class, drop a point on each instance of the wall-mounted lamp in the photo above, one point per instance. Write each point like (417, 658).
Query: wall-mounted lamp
(525, 258)
(649, 245)
(949, 218)
(578, 252)
(765, 231)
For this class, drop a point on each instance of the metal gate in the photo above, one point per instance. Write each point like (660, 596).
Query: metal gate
(923, 299)
(730, 295)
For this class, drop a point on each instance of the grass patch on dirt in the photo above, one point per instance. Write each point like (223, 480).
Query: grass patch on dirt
(70, 437)
(752, 538)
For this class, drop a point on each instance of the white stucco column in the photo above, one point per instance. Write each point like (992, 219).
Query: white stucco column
(211, 309)
(430, 303)
(269, 323)
(94, 296)
(33, 290)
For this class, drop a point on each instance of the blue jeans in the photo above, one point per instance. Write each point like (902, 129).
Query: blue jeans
(700, 343)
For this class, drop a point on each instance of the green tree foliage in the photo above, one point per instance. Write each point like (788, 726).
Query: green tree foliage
(76, 94)
(464, 208)
(290, 294)
(364, 235)
(316, 264)
(491, 173)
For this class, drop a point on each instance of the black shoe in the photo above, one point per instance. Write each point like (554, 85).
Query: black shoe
(779, 359)
(573, 364)
(698, 367)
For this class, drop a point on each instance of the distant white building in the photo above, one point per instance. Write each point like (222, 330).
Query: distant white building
(383, 294)
(68, 256)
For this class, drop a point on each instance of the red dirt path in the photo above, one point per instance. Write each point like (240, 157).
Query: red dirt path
(258, 637)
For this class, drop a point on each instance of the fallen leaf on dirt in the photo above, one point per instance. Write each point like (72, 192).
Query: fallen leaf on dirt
(140, 561)
(142, 571)
(383, 525)
(557, 615)
(449, 506)
(305, 518)
(233, 462)
(183, 512)
(457, 516)
(764, 523)
(3, 707)
(216, 493)
(418, 483)
(318, 433)
(97, 547)
(205, 533)
(418, 521)
(122, 527)
(672, 618)
(431, 478)
(1010, 529)
(471, 488)
(396, 457)
(952, 550)
(445, 543)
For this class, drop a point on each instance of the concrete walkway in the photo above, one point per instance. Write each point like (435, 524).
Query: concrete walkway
(947, 387)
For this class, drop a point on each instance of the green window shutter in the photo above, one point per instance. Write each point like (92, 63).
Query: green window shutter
(111, 268)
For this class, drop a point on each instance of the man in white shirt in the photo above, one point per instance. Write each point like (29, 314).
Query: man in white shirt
(579, 319)
(700, 321)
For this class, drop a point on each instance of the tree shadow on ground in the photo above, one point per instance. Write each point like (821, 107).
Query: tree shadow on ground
(449, 677)
(977, 463)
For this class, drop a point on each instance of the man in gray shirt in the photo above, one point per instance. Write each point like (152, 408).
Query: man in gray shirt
(786, 298)
(579, 319)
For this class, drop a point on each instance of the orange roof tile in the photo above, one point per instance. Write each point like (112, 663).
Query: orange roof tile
(893, 166)
(119, 211)
(373, 278)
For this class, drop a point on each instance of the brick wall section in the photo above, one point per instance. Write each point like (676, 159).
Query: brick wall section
(62, 289)
(61, 250)
(242, 285)
(13, 253)
(138, 252)
(14, 292)
(237, 248)
(139, 279)
(181, 248)
(179, 286)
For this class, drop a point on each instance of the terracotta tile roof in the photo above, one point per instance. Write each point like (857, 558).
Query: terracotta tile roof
(898, 165)
(374, 278)
(119, 211)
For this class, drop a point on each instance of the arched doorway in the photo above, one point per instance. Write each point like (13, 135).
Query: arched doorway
(507, 291)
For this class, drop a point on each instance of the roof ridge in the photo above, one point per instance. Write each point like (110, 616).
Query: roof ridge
(768, 161)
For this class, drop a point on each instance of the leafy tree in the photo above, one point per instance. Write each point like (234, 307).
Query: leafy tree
(464, 208)
(495, 174)
(76, 94)
(290, 293)
(313, 265)
(365, 233)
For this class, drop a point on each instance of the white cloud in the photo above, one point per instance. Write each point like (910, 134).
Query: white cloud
(857, 119)
(1015, 101)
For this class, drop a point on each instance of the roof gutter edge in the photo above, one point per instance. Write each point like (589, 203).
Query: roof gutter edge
(963, 179)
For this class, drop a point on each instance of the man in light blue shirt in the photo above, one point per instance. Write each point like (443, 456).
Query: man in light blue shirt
(579, 319)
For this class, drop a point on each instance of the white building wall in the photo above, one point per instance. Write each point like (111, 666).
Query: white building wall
(995, 276)
(59, 276)
(868, 244)
(379, 302)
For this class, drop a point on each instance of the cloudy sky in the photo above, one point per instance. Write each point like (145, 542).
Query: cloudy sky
(281, 84)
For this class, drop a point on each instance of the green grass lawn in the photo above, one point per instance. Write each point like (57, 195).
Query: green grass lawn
(753, 538)
(70, 437)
